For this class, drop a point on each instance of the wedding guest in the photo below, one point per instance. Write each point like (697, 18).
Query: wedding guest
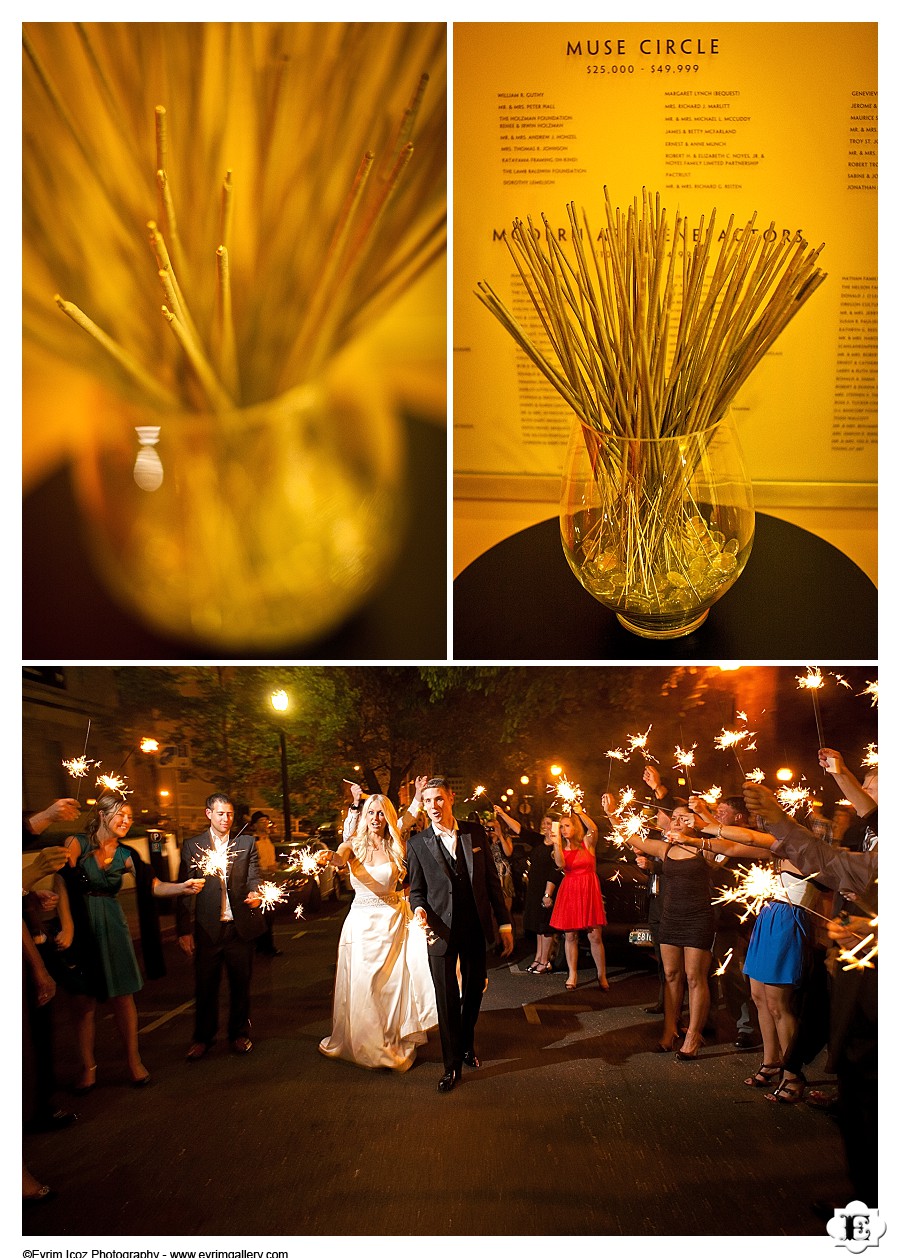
(685, 929)
(543, 883)
(579, 901)
(98, 929)
(778, 954)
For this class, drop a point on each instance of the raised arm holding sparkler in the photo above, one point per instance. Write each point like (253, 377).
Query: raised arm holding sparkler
(862, 795)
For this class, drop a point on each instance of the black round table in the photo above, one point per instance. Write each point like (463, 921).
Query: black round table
(798, 598)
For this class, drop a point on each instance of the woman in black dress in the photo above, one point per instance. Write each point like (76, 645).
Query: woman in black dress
(686, 929)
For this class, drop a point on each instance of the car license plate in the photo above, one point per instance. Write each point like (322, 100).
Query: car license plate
(642, 937)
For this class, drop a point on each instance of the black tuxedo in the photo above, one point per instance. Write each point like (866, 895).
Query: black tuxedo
(218, 943)
(459, 902)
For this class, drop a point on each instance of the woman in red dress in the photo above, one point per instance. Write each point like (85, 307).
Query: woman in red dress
(579, 901)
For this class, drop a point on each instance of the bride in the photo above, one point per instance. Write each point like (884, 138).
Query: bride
(383, 991)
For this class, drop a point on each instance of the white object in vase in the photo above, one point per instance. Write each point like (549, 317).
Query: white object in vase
(148, 468)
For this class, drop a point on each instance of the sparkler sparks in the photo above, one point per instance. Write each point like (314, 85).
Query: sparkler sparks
(213, 862)
(755, 887)
(568, 794)
(792, 797)
(870, 759)
(270, 894)
(755, 775)
(729, 739)
(685, 759)
(305, 863)
(712, 796)
(616, 753)
(113, 782)
(872, 691)
(638, 742)
(299, 914)
(80, 766)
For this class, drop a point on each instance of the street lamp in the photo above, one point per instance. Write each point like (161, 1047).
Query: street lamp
(150, 748)
(280, 704)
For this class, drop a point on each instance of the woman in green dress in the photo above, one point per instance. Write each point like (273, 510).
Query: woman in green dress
(103, 859)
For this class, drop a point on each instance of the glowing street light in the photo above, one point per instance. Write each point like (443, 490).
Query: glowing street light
(280, 704)
(556, 769)
(784, 775)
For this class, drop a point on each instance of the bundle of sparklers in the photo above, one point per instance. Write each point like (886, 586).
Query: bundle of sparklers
(287, 204)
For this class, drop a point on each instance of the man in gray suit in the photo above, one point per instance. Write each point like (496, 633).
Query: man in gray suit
(453, 889)
(226, 920)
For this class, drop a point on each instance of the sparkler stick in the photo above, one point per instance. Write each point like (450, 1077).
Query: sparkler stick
(813, 682)
(80, 766)
(480, 792)
(725, 961)
(729, 739)
(849, 957)
(616, 753)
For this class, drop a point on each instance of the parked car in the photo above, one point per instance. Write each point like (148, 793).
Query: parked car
(625, 900)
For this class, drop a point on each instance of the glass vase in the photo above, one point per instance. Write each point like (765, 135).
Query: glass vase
(257, 528)
(657, 529)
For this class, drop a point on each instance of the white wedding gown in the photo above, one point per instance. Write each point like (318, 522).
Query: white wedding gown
(383, 991)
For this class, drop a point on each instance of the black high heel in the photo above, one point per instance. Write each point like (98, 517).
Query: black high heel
(666, 1048)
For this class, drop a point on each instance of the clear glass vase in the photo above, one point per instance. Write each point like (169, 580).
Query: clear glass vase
(657, 529)
(257, 528)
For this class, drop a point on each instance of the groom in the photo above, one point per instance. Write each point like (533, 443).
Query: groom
(453, 886)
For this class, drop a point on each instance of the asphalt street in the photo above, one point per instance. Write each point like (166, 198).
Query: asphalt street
(573, 1126)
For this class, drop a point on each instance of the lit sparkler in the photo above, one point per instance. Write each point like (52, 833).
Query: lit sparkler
(712, 796)
(568, 794)
(213, 862)
(79, 767)
(113, 782)
(724, 966)
(480, 793)
(299, 914)
(415, 924)
(638, 742)
(792, 797)
(755, 775)
(305, 863)
(872, 691)
(728, 741)
(813, 681)
(684, 759)
(626, 799)
(842, 680)
(870, 759)
(756, 885)
(270, 894)
(615, 753)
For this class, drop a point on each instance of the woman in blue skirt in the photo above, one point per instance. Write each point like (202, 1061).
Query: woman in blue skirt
(778, 954)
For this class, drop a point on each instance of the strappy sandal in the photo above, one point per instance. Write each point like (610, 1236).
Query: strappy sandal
(543, 967)
(765, 1076)
(570, 986)
(789, 1091)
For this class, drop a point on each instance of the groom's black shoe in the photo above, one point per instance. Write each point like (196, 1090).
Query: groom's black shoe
(470, 1060)
(448, 1081)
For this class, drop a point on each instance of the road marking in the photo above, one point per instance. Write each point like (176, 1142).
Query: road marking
(167, 1017)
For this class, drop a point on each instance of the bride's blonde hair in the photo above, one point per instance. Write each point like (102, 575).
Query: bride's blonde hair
(393, 841)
